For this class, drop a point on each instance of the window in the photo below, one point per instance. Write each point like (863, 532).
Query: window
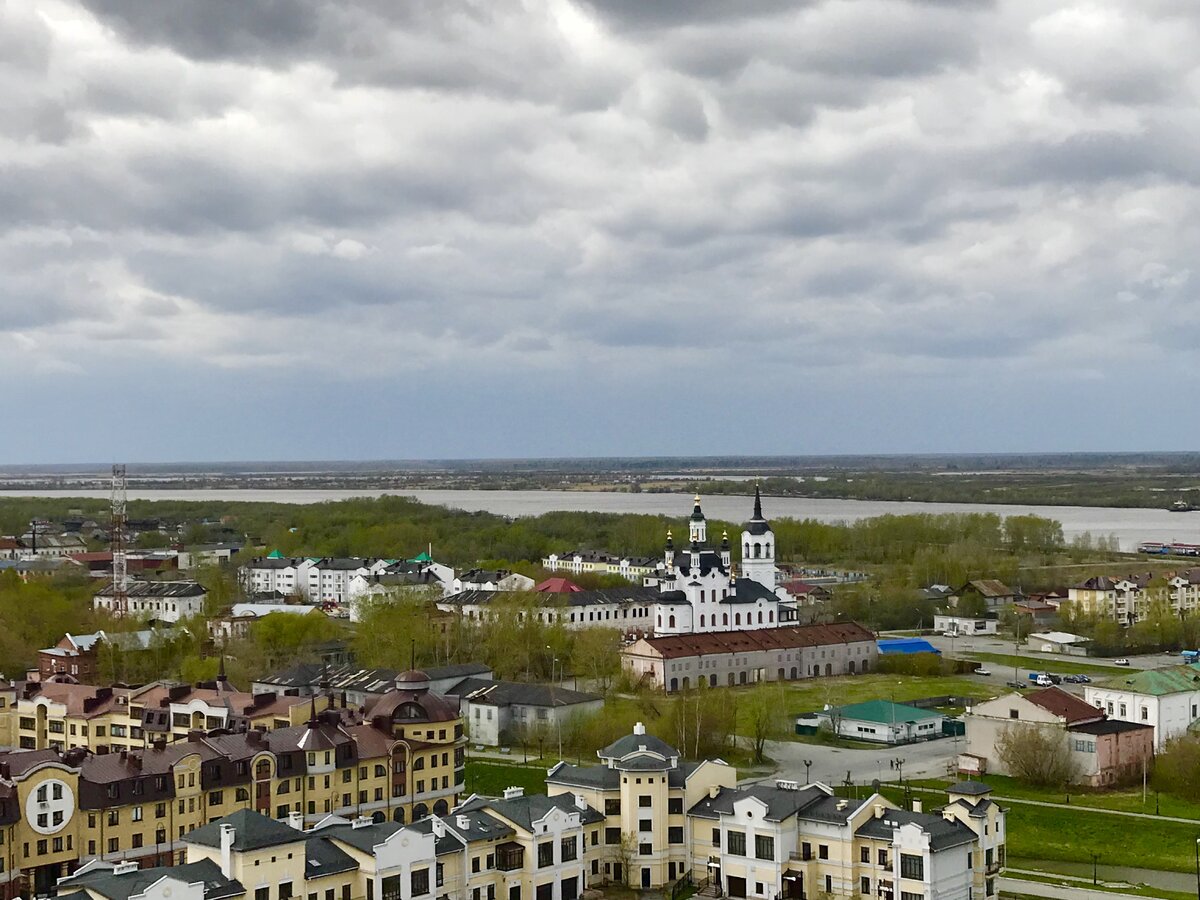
(613, 835)
(114, 846)
(1013, 714)
(645, 825)
(545, 854)
(285, 890)
(675, 834)
(905, 895)
(883, 859)
(822, 851)
(612, 807)
(645, 849)
(864, 883)
(262, 893)
(644, 801)
(420, 882)
(570, 849)
(829, 884)
(439, 877)
(912, 867)
(716, 837)
(675, 806)
(764, 846)
(864, 855)
(735, 843)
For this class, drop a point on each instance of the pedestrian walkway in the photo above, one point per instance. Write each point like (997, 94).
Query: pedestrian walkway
(1059, 892)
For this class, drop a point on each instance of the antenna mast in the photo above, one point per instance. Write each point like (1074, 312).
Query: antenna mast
(120, 574)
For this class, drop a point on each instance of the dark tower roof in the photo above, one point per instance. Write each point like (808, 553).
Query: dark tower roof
(697, 515)
(758, 524)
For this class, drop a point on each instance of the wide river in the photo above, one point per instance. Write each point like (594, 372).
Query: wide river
(1131, 526)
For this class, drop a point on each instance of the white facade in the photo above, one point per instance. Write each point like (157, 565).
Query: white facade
(319, 580)
(1169, 714)
(166, 601)
(964, 625)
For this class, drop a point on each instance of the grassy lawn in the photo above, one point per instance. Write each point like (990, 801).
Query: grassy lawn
(1071, 835)
(806, 696)
(1000, 661)
(1138, 890)
(1126, 799)
(491, 778)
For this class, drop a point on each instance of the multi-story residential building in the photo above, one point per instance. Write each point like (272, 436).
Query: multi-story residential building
(515, 848)
(644, 790)
(59, 714)
(1183, 592)
(601, 562)
(490, 580)
(316, 579)
(787, 653)
(58, 808)
(1119, 598)
(166, 601)
(786, 841)
(1105, 751)
(1167, 700)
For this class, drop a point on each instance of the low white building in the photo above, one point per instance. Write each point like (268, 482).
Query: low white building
(877, 721)
(243, 615)
(601, 562)
(318, 579)
(491, 580)
(1168, 700)
(964, 626)
(166, 601)
(505, 712)
(1058, 642)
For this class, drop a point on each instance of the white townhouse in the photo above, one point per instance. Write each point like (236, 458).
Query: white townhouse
(317, 579)
(491, 580)
(577, 562)
(784, 840)
(1168, 699)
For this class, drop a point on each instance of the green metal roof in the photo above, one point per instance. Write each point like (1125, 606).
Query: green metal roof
(422, 557)
(1156, 682)
(274, 554)
(884, 712)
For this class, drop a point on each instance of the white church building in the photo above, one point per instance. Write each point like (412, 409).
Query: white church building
(700, 591)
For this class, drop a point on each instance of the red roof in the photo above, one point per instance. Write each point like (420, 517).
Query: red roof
(800, 587)
(7, 543)
(784, 637)
(1067, 706)
(558, 586)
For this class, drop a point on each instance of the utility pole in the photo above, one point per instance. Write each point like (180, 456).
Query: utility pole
(120, 573)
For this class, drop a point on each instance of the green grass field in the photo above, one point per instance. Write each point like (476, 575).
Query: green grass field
(491, 778)
(1000, 661)
(1126, 799)
(1072, 835)
(811, 695)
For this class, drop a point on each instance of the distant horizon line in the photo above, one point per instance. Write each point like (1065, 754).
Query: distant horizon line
(742, 460)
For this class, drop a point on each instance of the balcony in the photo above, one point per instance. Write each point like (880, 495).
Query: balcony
(510, 856)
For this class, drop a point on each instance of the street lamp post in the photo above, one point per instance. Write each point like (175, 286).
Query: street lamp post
(1197, 868)
(900, 768)
(1095, 859)
(807, 765)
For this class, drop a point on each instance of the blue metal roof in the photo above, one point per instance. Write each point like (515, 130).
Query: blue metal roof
(906, 645)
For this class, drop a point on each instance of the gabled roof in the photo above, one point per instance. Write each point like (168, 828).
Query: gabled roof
(106, 883)
(784, 637)
(781, 803)
(1064, 705)
(942, 832)
(988, 587)
(884, 712)
(252, 831)
(558, 586)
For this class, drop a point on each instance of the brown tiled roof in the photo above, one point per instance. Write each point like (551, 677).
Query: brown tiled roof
(782, 638)
(18, 762)
(989, 587)
(1069, 707)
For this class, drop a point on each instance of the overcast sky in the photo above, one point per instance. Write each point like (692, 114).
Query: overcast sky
(290, 229)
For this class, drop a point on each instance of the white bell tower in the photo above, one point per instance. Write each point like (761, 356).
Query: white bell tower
(697, 525)
(758, 548)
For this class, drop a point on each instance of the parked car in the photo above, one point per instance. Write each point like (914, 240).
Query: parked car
(1043, 680)
(1121, 662)
(1082, 679)
(982, 670)
(1070, 679)
(1054, 679)
(1016, 685)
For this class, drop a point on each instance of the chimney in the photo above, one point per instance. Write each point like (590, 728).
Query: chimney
(713, 790)
(917, 807)
(947, 815)
(296, 820)
(879, 810)
(361, 822)
(580, 803)
(512, 793)
(439, 827)
(227, 835)
(463, 822)
(124, 868)
(639, 728)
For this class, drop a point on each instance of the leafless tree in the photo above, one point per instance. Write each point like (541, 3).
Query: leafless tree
(1038, 754)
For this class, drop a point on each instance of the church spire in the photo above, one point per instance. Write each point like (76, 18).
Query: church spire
(757, 502)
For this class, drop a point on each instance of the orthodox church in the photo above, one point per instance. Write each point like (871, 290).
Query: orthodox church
(701, 591)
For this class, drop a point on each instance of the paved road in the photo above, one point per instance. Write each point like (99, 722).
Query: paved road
(830, 764)
(1058, 892)
(961, 646)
